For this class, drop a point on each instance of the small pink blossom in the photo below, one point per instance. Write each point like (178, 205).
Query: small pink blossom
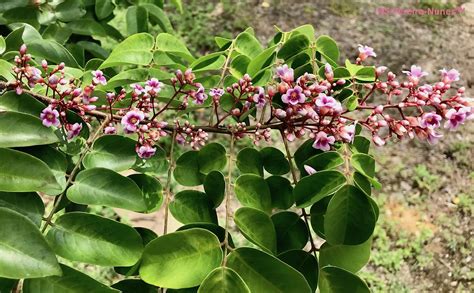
(450, 75)
(98, 77)
(347, 132)
(365, 52)
(294, 96)
(50, 117)
(430, 120)
(433, 137)
(216, 93)
(323, 141)
(137, 89)
(146, 151)
(457, 117)
(310, 170)
(153, 86)
(110, 130)
(200, 96)
(378, 140)
(285, 73)
(416, 72)
(131, 120)
(327, 104)
(259, 98)
(73, 130)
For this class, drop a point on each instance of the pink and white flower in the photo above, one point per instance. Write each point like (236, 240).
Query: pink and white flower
(449, 75)
(50, 117)
(146, 151)
(131, 120)
(216, 93)
(98, 77)
(378, 140)
(285, 73)
(430, 120)
(457, 117)
(323, 142)
(294, 96)
(153, 86)
(310, 170)
(347, 132)
(433, 137)
(415, 72)
(110, 130)
(365, 52)
(327, 104)
(259, 98)
(73, 130)
(137, 89)
(200, 96)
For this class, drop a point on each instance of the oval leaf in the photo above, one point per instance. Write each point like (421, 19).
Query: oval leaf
(291, 231)
(249, 160)
(305, 263)
(191, 206)
(312, 188)
(274, 161)
(336, 280)
(28, 204)
(252, 191)
(223, 280)
(257, 227)
(113, 152)
(212, 157)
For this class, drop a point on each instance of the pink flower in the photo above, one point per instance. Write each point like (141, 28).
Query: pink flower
(216, 93)
(328, 72)
(110, 130)
(73, 130)
(433, 137)
(430, 120)
(450, 76)
(200, 96)
(259, 98)
(98, 77)
(323, 141)
(378, 140)
(153, 86)
(416, 72)
(285, 73)
(146, 151)
(137, 89)
(347, 132)
(131, 120)
(294, 96)
(365, 52)
(327, 104)
(310, 170)
(457, 117)
(50, 117)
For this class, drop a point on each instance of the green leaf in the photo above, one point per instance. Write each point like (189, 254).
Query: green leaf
(353, 68)
(72, 281)
(100, 186)
(178, 4)
(317, 212)
(3, 45)
(133, 286)
(328, 48)
(169, 43)
(134, 50)
(157, 15)
(248, 45)
(337, 280)
(293, 46)
(325, 161)
(281, 192)
(167, 260)
(7, 285)
(215, 229)
(213, 61)
(252, 191)
(28, 130)
(191, 206)
(291, 231)
(151, 189)
(156, 165)
(312, 188)
(87, 27)
(366, 74)
(214, 185)
(28, 204)
(23, 103)
(126, 77)
(257, 227)
(212, 157)
(223, 280)
(94, 239)
(307, 30)
(249, 160)
(274, 161)
(187, 169)
(103, 8)
(52, 51)
(6, 70)
(113, 152)
(238, 66)
(362, 182)
(305, 263)
(261, 61)
(351, 103)
(69, 10)
(364, 163)
(304, 152)
(21, 172)
(265, 273)
(350, 218)
(360, 144)
(348, 257)
(137, 19)
(24, 251)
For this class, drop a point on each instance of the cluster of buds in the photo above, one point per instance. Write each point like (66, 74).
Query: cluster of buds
(188, 134)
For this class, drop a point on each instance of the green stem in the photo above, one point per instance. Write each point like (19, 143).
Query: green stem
(168, 183)
(227, 199)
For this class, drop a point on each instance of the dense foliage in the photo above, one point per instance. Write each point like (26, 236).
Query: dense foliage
(138, 129)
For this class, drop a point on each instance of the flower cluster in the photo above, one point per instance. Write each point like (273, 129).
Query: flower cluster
(299, 106)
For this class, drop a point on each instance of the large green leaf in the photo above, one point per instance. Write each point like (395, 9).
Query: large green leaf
(192, 206)
(152, 190)
(94, 239)
(223, 280)
(23, 103)
(364, 163)
(171, 44)
(328, 48)
(252, 191)
(291, 231)
(312, 188)
(337, 280)
(263, 60)
(293, 46)
(157, 15)
(265, 273)
(52, 51)
(249, 160)
(350, 218)
(187, 169)
(69, 10)
(304, 152)
(137, 19)
(28, 204)
(28, 130)
(325, 161)
(24, 252)
(214, 185)
(274, 161)
(100, 186)
(213, 228)
(113, 152)
(21, 172)
(281, 192)
(257, 227)
(103, 8)
(348, 257)
(248, 45)
(305, 263)
(72, 281)
(212, 157)
(181, 259)
(134, 286)
(213, 61)
(134, 50)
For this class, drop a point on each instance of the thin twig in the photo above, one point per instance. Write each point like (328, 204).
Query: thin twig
(227, 199)
(168, 183)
